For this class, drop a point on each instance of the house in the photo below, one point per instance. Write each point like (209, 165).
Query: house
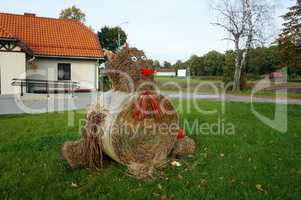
(171, 72)
(40, 48)
(165, 72)
(181, 73)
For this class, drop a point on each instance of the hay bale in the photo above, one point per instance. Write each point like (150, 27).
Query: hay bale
(131, 123)
(87, 152)
(141, 171)
(183, 147)
(128, 140)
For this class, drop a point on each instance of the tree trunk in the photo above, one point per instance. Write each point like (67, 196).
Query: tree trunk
(237, 72)
(240, 61)
(249, 34)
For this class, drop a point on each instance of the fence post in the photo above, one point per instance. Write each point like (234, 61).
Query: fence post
(72, 90)
(21, 88)
(47, 88)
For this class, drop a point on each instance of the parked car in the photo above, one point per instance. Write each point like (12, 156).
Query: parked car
(275, 74)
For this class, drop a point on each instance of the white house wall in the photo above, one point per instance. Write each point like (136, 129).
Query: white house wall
(12, 65)
(82, 71)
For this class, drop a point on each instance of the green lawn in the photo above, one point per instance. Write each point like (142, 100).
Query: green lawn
(190, 85)
(225, 166)
(186, 84)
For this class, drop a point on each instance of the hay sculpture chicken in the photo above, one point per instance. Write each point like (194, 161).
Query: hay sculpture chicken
(131, 123)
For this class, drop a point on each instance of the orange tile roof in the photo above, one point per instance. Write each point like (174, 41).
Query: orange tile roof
(5, 34)
(51, 37)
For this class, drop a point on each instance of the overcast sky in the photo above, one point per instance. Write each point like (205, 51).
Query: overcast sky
(164, 29)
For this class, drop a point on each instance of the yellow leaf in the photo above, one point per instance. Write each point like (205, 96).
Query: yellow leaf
(259, 187)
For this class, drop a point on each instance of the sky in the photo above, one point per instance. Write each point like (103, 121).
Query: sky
(165, 29)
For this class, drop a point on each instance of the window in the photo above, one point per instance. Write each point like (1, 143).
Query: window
(64, 71)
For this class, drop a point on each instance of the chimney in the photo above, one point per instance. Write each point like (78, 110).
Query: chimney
(30, 14)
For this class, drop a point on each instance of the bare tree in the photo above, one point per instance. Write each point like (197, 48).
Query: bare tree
(244, 21)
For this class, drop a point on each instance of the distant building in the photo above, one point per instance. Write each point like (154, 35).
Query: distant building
(168, 72)
(276, 75)
(171, 72)
(182, 73)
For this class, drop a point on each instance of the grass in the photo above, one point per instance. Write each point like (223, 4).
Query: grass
(202, 87)
(225, 166)
(186, 84)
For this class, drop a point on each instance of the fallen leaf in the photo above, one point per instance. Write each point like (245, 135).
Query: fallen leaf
(202, 183)
(232, 180)
(156, 194)
(164, 197)
(180, 177)
(175, 163)
(74, 185)
(259, 187)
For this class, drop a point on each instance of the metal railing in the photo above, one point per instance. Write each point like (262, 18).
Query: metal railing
(46, 86)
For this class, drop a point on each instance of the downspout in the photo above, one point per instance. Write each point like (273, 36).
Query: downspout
(26, 70)
(97, 75)
(32, 59)
(99, 62)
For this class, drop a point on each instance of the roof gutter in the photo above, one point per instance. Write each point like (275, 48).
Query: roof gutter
(71, 57)
(8, 39)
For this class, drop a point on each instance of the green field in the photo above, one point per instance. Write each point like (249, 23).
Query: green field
(204, 86)
(224, 167)
(186, 84)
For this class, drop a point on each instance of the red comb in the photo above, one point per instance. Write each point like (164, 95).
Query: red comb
(181, 134)
(146, 71)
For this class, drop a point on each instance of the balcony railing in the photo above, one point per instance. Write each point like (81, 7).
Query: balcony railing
(45, 86)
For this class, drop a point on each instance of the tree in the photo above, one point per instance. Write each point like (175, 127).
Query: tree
(156, 64)
(179, 65)
(263, 60)
(73, 13)
(195, 64)
(243, 21)
(166, 64)
(229, 66)
(213, 64)
(111, 38)
(290, 39)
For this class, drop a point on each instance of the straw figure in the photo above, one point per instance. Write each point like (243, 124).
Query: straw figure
(131, 123)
